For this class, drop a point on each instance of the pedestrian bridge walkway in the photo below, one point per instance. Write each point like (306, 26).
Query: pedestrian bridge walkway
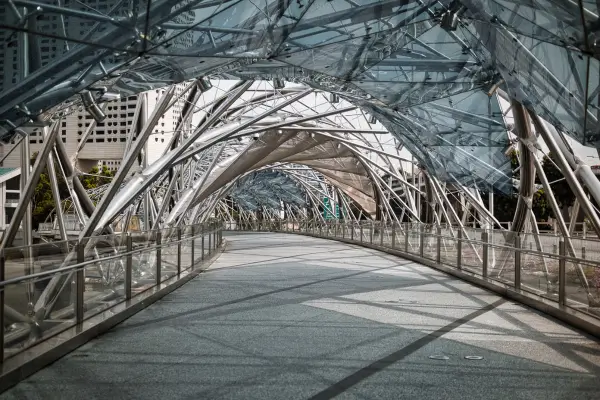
(281, 316)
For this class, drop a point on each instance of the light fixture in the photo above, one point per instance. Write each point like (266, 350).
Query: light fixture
(255, 136)
(278, 83)
(495, 87)
(449, 21)
(372, 120)
(451, 18)
(109, 96)
(204, 84)
(334, 98)
(90, 105)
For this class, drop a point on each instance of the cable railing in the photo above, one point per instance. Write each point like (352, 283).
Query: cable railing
(561, 272)
(48, 288)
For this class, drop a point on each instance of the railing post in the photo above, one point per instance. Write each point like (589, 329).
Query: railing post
(406, 237)
(485, 238)
(158, 257)
(381, 231)
(361, 233)
(344, 230)
(371, 229)
(422, 240)
(202, 233)
(2, 278)
(438, 254)
(517, 262)
(393, 235)
(562, 274)
(459, 249)
(128, 267)
(178, 251)
(193, 241)
(209, 240)
(79, 284)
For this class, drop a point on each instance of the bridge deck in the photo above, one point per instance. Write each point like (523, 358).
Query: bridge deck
(290, 317)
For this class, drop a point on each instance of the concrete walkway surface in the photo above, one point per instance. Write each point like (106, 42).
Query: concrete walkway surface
(290, 317)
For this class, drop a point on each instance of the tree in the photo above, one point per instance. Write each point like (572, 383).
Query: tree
(505, 205)
(43, 202)
(96, 177)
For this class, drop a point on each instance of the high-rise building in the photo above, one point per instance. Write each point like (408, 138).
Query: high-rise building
(106, 143)
(48, 45)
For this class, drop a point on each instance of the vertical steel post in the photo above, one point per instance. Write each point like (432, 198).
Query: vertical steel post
(459, 249)
(371, 229)
(193, 240)
(209, 240)
(562, 274)
(351, 230)
(178, 251)
(128, 267)
(422, 240)
(393, 235)
(361, 233)
(406, 237)
(202, 233)
(518, 262)
(158, 258)
(438, 254)
(381, 231)
(485, 238)
(79, 284)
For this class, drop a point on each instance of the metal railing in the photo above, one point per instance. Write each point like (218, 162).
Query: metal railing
(50, 287)
(539, 265)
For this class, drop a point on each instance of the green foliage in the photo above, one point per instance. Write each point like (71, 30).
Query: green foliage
(96, 178)
(505, 205)
(562, 191)
(43, 202)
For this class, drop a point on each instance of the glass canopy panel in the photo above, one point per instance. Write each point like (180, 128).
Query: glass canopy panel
(409, 94)
(267, 189)
(160, 71)
(554, 21)
(327, 22)
(551, 79)
(229, 29)
(373, 53)
(348, 58)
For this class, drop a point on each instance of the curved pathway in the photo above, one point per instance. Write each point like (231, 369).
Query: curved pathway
(289, 317)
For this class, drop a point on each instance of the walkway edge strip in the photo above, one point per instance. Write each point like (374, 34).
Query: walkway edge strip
(23, 365)
(567, 315)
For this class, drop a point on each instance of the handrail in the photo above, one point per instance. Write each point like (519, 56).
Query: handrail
(75, 267)
(122, 283)
(427, 243)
